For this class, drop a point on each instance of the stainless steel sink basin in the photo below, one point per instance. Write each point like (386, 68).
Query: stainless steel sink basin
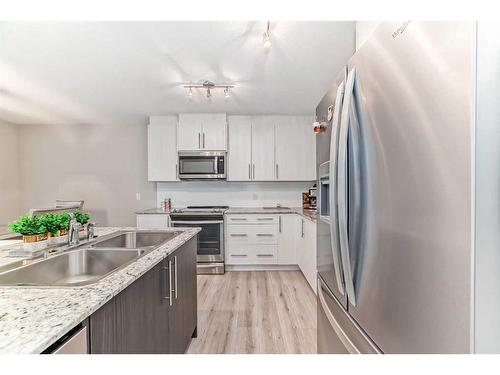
(71, 268)
(136, 240)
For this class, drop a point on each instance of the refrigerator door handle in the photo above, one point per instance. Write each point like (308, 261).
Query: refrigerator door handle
(343, 337)
(334, 228)
(342, 184)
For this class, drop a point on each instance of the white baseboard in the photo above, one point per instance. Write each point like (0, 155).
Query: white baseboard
(260, 267)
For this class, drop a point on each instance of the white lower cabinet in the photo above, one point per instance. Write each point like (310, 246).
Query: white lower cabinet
(285, 240)
(306, 251)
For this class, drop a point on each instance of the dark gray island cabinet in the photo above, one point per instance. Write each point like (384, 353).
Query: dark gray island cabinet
(157, 313)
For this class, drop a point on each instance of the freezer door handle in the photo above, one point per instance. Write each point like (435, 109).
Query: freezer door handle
(345, 125)
(332, 182)
(343, 337)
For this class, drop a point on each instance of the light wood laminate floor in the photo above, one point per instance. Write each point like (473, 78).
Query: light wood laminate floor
(255, 312)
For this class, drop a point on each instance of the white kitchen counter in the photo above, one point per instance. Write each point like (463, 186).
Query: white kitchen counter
(32, 319)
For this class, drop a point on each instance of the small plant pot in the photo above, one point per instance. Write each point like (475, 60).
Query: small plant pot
(58, 239)
(35, 242)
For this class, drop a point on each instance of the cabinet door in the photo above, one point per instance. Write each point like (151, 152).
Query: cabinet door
(287, 239)
(295, 149)
(162, 148)
(189, 132)
(263, 148)
(301, 247)
(309, 260)
(143, 315)
(183, 310)
(239, 148)
(214, 131)
(103, 329)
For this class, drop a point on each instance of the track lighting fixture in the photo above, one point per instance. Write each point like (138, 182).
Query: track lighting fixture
(208, 86)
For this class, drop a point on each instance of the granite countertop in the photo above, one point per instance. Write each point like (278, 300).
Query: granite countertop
(308, 214)
(32, 319)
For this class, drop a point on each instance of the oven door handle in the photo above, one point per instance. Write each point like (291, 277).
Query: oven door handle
(198, 222)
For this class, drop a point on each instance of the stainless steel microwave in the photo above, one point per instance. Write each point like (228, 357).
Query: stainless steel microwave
(202, 165)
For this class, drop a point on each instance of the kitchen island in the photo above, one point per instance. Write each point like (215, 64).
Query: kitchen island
(33, 318)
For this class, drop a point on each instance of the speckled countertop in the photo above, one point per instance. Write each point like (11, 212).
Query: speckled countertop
(32, 319)
(308, 214)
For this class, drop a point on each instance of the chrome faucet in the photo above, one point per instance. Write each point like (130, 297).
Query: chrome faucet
(74, 231)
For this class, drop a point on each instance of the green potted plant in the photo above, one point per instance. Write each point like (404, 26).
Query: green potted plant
(57, 225)
(34, 232)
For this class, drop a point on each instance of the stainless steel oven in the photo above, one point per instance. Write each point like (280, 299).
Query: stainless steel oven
(210, 255)
(202, 165)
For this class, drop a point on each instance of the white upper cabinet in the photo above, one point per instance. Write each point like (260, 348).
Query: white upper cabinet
(189, 132)
(214, 127)
(202, 131)
(295, 149)
(239, 148)
(162, 148)
(263, 148)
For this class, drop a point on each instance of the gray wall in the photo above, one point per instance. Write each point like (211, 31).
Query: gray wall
(9, 174)
(105, 165)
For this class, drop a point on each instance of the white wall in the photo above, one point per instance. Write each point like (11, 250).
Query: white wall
(104, 165)
(235, 194)
(363, 31)
(9, 174)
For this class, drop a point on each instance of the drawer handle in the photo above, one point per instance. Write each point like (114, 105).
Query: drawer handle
(265, 235)
(265, 218)
(265, 255)
(238, 235)
(239, 255)
(238, 218)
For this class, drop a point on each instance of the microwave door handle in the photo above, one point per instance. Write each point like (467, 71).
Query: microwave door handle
(332, 182)
(342, 187)
(216, 164)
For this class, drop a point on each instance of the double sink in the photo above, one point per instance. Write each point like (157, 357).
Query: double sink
(89, 262)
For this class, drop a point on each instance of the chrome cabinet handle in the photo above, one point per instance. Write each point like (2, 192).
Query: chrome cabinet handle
(265, 235)
(265, 218)
(203, 139)
(279, 224)
(177, 171)
(175, 270)
(239, 218)
(170, 282)
(238, 235)
(254, 171)
(239, 255)
(302, 229)
(265, 255)
(249, 171)
(162, 269)
(199, 140)
(277, 174)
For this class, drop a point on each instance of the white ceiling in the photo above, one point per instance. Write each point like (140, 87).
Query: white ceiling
(64, 72)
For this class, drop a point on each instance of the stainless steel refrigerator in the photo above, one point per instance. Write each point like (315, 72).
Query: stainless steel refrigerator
(408, 236)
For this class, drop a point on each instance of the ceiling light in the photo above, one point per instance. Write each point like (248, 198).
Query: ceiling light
(267, 38)
(209, 86)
